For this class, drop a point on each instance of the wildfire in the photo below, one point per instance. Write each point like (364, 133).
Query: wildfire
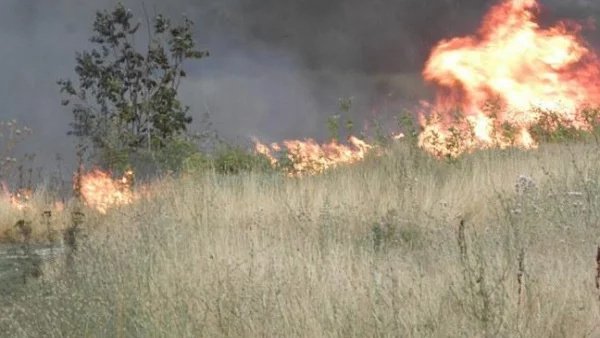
(21, 199)
(308, 157)
(527, 69)
(100, 191)
(502, 80)
(18, 200)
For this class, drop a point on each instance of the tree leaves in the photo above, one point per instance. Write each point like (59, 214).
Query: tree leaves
(128, 94)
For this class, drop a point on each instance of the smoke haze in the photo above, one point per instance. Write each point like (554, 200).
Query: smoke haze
(276, 70)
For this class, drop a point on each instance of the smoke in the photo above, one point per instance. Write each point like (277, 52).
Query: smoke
(277, 67)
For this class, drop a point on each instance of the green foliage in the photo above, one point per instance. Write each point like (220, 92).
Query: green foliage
(287, 161)
(113, 159)
(235, 160)
(197, 163)
(406, 124)
(350, 126)
(552, 127)
(382, 138)
(549, 127)
(334, 122)
(333, 125)
(173, 155)
(345, 105)
(170, 158)
(127, 100)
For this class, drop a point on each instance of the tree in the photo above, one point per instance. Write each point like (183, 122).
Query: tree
(127, 101)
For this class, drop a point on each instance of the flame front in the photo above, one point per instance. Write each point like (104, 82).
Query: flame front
(525, 68)
(308, 157)
(508, 74)
(502, 80)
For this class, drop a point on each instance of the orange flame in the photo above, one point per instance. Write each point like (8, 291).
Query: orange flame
(503, 80)
(529, 69)
(18, 200)
(100, 191)
(308, 157)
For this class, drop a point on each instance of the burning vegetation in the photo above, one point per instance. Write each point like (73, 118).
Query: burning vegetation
(523, 69)
(98, 190)
(503, 80)
(19, 199)
(492, 88)
(309, 158)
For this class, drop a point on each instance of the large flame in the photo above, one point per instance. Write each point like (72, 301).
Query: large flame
(526, 69)
(502, 81)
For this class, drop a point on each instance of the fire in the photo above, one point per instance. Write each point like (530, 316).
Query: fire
(503, 80)
(526, 69)
(22, 198)
(18, 200)
(308, 157)
(100, 191)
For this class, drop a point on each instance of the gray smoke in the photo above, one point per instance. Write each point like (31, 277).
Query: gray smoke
(277, 67)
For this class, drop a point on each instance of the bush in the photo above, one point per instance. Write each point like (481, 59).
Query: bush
(552, 127)
(172, 157)
(234, 160)
(168, 159)
(197, 163)
(229, 160)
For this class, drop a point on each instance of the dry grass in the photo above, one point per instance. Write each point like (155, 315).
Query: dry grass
(45, 220)
(371, 250)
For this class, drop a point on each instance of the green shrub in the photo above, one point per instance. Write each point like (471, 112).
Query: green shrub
(551, 127)
(234, 160)
(197, 163)
(173, 155)
(168, 159)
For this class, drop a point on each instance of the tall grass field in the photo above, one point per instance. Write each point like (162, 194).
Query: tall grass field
(495, 244)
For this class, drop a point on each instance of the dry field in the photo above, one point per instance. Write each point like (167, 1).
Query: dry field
(372, 250)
